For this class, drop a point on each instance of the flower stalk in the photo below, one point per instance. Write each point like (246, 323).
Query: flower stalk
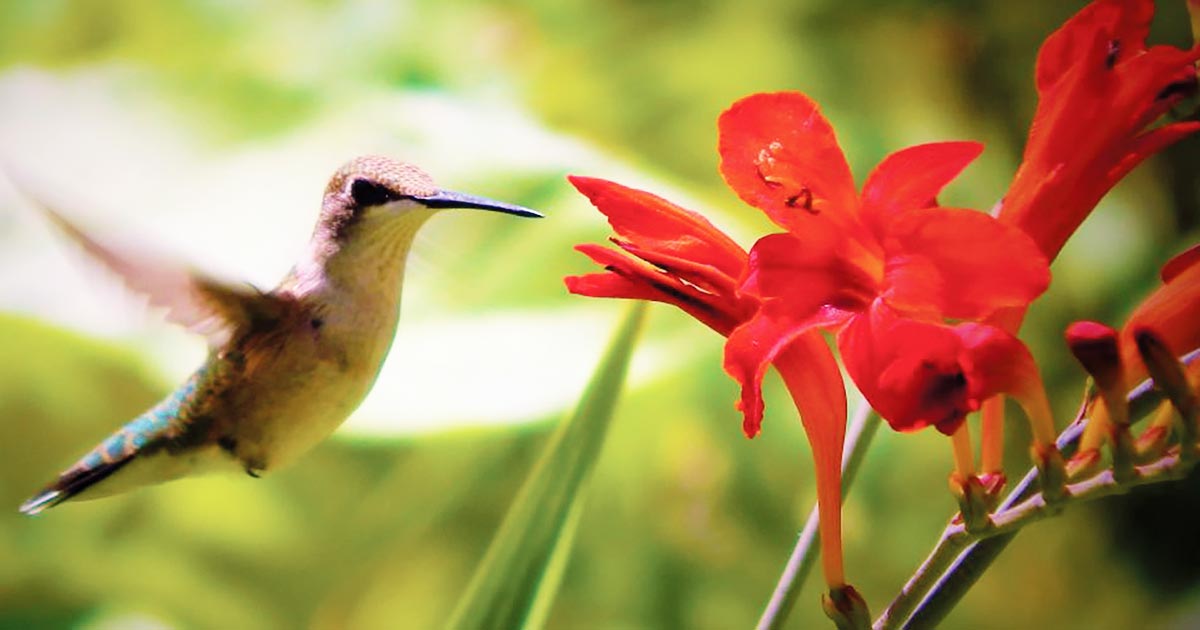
(991, 452)
(859, 433)
(961, 556)
(974, 503)
(1166, 468)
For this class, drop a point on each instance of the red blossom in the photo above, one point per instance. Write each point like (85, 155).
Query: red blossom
(672, 255)
(932, 373)
(1100, 89)
(885, 267)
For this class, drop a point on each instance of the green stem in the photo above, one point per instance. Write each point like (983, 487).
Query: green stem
(862, 428)
(946, 551)
(1106, 483)
(950, 555)
(936, 588)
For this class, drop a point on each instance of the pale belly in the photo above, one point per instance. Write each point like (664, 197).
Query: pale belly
(160, 467)
(293, 405)
(283, 417)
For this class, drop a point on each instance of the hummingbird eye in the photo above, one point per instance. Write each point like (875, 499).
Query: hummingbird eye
(368, 193)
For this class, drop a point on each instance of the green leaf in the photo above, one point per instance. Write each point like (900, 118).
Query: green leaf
(515, 584)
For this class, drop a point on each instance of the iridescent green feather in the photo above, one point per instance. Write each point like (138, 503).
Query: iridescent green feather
(179, 421)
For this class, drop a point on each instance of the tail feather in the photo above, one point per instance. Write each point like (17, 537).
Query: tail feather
(71, 483)
(180, 422)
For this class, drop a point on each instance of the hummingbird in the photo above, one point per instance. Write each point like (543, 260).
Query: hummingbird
(285, 367)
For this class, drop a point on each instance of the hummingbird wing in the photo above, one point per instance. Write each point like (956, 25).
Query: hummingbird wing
(202, 304)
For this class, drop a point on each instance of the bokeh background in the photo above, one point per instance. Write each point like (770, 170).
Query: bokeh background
(207, 129)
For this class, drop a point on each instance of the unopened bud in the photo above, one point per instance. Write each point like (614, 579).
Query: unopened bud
(1095, 346)
(1170, 376)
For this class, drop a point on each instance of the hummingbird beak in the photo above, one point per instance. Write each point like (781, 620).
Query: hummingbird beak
(451, 199)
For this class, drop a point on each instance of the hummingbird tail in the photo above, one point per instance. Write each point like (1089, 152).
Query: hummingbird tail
(69, 484)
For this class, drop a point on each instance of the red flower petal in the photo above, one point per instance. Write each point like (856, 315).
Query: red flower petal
(651, 222)
(921, 373)
(1142, 147)
(1153, 82)
(909, 371)
(913, 177)
(706, 277)
(1126, 23)
(629, 277)
(755, 344)
(963, 264)
(807, 274)
(813, 379)
(1180, 263)
(996, 362)
(612, 285)
(780, 155)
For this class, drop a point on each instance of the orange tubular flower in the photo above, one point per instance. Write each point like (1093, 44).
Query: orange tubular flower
(671, 255)
(1099, 90)
(885, 268)
(1172, 312)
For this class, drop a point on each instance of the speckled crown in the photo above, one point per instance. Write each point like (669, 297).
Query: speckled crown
(400, 177)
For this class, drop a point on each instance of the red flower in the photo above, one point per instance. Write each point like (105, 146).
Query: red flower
(936, 374)
(669, 254)
(885, 267)
(1099, 90)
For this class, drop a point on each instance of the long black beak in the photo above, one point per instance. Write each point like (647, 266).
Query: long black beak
(451, 199)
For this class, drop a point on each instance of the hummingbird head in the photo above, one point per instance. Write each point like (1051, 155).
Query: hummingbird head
(372, 209)
(375, 187)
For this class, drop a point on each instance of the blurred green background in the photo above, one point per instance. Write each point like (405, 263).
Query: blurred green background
(208, 127)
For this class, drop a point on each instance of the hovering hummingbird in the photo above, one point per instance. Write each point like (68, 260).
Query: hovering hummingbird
(286, 366)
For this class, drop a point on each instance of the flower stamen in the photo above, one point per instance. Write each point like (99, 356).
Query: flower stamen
(804, 199)
(1114, 50)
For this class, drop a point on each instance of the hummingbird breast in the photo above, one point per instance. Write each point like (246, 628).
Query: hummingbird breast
(304, 378)
(309, 370)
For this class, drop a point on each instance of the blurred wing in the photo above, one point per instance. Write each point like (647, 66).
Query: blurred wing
(202, 304)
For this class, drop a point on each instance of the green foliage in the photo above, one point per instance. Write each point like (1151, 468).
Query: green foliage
(516, 583)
